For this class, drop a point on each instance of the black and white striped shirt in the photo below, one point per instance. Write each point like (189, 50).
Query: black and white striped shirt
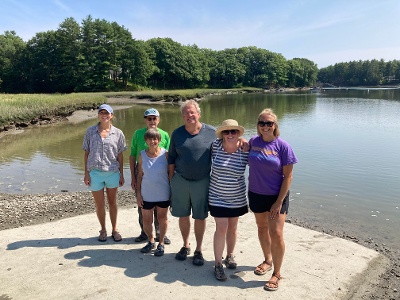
(227, 183)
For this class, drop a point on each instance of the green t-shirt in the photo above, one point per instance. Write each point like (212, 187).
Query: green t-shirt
(138, 144)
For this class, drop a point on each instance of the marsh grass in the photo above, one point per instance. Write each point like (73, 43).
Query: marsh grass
(26, 107)
(16, 108)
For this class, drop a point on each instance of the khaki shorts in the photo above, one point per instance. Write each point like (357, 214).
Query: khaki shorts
(189, 196)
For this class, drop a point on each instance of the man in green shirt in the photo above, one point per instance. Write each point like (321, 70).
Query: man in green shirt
(151, 118)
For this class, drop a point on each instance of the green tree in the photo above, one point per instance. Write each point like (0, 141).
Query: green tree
(11, 51)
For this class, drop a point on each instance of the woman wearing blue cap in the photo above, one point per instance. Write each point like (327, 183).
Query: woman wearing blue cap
(103, 145)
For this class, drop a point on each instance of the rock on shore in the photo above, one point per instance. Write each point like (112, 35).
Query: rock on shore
(17, 210)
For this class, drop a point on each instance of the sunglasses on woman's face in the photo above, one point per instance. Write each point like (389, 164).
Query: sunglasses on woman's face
(268, 123)
(232, 131)
(151, 118)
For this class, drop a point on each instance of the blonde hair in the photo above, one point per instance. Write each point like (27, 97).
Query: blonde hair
(269, 112)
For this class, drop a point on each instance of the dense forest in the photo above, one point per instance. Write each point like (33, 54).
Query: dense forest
(361, 73)
(97, 55)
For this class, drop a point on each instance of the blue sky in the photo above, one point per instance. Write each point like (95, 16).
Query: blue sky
(324, 31)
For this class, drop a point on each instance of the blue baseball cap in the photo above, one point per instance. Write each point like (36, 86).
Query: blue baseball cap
(151, 112)
(106, 107)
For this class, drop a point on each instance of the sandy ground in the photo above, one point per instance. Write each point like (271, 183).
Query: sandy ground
(62, 259)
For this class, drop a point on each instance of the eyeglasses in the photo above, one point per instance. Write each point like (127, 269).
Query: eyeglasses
(268, 123)
(232, 131)
(151, 119)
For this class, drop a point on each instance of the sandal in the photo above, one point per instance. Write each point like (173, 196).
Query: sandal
(103, 236)
(275, 284)
(230, 262)
(116, 236)
(260, 270)
(219, 272)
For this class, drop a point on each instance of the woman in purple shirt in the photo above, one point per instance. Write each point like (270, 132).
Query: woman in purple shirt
(271, 162)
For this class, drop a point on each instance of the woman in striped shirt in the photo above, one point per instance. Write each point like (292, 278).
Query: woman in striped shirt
(227, 192)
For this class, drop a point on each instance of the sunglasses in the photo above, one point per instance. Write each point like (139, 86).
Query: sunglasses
(268, 123)
(232, 131)
(151, 119)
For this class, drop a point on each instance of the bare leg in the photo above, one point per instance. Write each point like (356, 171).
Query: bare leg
(277, 242)
(148, 223)
(221, 227)
(100, 208)
(199, 229)
(263, 234)
(162, 222)
(112, 204)
(184, 226)
(231, 235)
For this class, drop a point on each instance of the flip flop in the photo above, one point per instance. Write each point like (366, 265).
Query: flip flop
(116, 236)
(260, 270)
(103, 236)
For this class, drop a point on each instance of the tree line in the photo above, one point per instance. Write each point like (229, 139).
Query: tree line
(361, 73)
(98, 55)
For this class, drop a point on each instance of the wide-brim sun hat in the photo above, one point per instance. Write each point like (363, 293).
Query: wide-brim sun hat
(106, 107)
(151, 112)
(229, 124)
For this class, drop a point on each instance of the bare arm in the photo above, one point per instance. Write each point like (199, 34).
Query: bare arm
(121, 169)
(139, 198)
(287, 180)
(243, 144)
(86, 177)
(132, 165)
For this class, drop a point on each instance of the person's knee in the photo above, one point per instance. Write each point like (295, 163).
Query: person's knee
(276, 235)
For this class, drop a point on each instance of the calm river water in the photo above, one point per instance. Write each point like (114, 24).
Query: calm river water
(347, 144)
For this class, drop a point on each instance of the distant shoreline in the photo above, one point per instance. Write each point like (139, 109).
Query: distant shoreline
(83, 115)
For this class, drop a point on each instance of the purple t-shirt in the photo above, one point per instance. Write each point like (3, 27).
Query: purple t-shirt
(266, 160)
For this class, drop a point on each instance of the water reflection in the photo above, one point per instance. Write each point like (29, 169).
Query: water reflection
(50, 159)
(346, 141)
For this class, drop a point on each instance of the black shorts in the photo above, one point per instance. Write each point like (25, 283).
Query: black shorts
(261, 203)
(151, 205)
(223, 212)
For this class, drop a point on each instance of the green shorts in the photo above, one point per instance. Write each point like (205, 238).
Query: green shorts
(189, 196)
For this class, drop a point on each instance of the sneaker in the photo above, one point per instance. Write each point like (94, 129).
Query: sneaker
(159, 251)
(141, 238)
(149, 246)
(198, 259)
(183, 253)
(219, 272)
(230, 262)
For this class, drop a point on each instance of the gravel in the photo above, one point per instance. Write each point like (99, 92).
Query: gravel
(18, 210)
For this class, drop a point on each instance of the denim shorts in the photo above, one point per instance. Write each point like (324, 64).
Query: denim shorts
(100, 179)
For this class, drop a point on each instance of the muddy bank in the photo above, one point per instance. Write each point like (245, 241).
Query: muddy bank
(75, 117)
(20, 210)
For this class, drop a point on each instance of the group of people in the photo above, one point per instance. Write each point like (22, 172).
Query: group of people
(200, 169)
